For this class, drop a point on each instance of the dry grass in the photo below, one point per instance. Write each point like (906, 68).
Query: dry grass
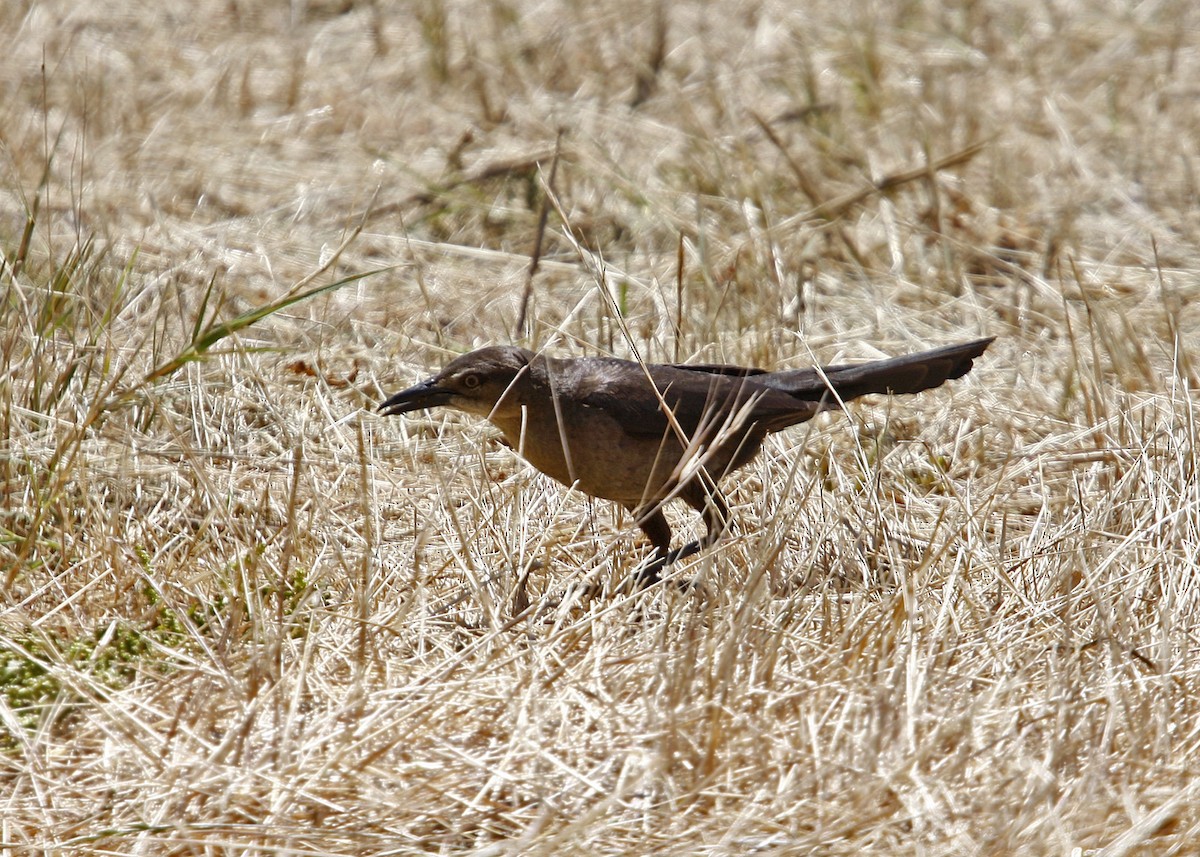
(241, 614)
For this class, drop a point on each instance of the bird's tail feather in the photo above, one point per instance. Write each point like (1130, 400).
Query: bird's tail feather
(910, 373)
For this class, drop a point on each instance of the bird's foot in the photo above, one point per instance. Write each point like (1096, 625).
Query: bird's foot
(649, 572)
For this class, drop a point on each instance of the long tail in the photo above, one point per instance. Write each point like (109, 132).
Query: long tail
(910, 373)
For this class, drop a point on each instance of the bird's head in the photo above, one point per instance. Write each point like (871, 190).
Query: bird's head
(482, 382)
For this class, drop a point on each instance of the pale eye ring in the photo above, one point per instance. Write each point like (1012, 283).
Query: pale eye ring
(470, 381)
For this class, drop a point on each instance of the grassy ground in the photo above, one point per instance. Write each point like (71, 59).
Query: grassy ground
(242, 614)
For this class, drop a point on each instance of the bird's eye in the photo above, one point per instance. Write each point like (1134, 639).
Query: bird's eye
(470, 381)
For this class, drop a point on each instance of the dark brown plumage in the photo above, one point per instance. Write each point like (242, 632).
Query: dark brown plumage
(644, 434)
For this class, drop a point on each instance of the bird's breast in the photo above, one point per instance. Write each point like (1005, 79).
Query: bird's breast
(591, 451)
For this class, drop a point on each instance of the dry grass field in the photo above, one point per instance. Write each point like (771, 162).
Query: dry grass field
(243, 614)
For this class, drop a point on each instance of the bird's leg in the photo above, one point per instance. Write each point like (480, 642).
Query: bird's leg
(707, 500)
(654, 524)
(712, 508)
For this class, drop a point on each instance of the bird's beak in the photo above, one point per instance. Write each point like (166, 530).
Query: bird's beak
(427, 394)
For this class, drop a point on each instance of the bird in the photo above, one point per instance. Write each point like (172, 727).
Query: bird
(642, 434)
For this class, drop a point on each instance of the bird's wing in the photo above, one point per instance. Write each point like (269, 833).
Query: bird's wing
(699, 400)
(717, 369)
